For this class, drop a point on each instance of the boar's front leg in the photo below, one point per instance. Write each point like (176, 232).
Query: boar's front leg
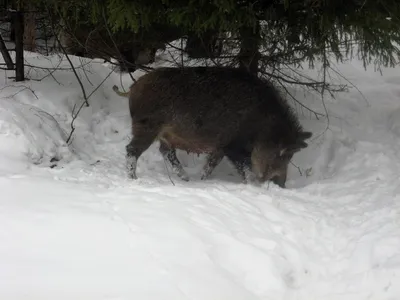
(242, 162)
(213, 160)
(243, 168)
(280, 180)
(240, 159)
(170, 154)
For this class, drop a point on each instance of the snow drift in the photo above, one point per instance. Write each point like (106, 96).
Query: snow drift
(74, 227)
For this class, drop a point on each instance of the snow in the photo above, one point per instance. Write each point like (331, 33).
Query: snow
(73, 226)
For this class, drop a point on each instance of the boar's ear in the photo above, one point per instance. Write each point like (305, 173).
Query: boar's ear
(301, 144)
(304, 135)
(294, 148)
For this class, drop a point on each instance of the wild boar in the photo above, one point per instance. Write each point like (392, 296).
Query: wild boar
(215, 110)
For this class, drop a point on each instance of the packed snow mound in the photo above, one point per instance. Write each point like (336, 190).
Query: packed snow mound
(75, 227)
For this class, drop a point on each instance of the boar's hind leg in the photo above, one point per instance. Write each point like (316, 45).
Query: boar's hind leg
(212, 161)
(170, 154)
(140, 142)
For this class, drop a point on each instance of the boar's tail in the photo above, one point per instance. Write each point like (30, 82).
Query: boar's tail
(122, 94)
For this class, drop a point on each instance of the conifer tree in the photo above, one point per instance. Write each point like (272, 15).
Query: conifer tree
(288, 30)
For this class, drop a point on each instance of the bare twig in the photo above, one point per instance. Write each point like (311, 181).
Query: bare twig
(352, 84)
(84, 72)
(169, 176)
(115, 44)
(70, 62)
(182, 52)
(174, 59)
(74, 116)
(101, 83)
(295, 82)
(21, 90)
(59, 69)
(316, 114)
(297, 167)
(50, 73)
(175, 48)
(324, 66)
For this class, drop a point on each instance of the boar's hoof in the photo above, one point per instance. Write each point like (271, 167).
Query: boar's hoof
(245, 181)
(132, 176)
(204, 176)
(249, 176)
(131, 167)
(182, 175)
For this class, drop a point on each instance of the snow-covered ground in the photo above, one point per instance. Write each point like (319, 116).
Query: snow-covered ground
(72, 226)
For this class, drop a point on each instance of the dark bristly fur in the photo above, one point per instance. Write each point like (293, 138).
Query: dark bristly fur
(220, 111)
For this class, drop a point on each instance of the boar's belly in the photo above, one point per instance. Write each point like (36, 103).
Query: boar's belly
(187, 143)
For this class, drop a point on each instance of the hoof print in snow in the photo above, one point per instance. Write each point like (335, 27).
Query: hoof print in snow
(132, 176)
(53, 159)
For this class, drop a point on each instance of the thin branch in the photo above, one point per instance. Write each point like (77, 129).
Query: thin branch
(352, 84)
(101, 83)
(325, 66)
(23, 89)
(175, 48)
(51, 73)
(169, 176)
(182, 52)
(297, 82)
(328, 87)
(74, 116)
(316, 114)
(84, 72)
(297, 167)
(70, 62)
(174, 59)
(73, 121)
(115, 44)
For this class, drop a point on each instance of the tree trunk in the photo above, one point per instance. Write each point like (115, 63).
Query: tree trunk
(18, 20)
(249, 54)
(29, 26)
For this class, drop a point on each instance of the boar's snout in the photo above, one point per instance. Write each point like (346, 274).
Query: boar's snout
(270, 162)
(274, 170)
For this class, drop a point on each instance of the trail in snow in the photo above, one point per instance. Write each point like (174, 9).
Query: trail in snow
(82, 230)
